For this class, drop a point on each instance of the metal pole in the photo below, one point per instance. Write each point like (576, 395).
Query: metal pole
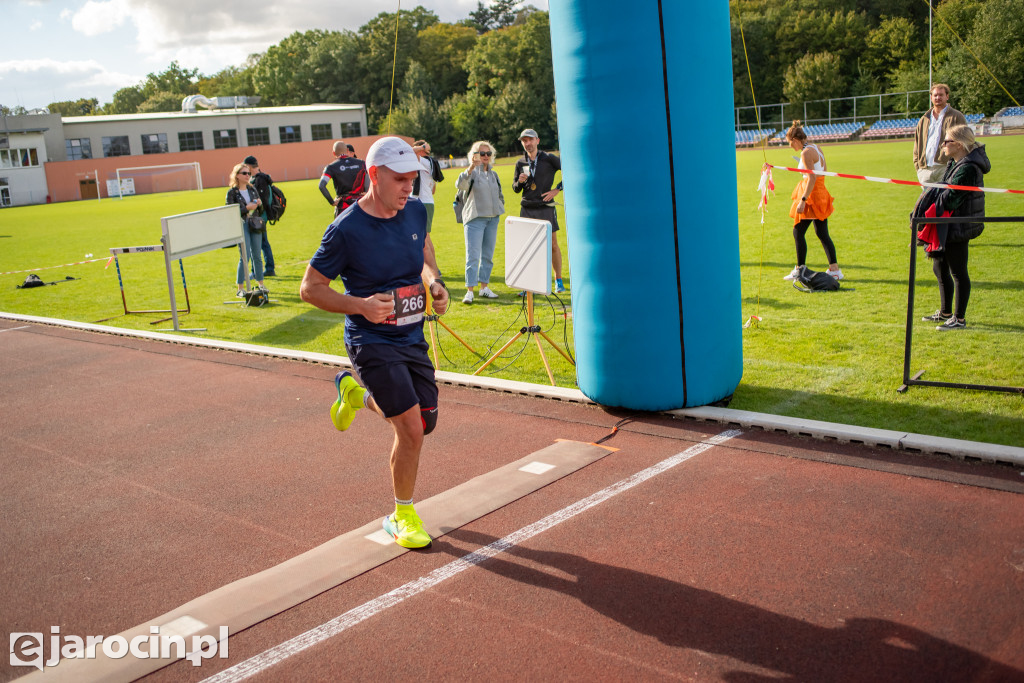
(910, 302)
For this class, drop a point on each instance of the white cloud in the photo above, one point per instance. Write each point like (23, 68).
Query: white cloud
(144, 36)
(96, 18)
(40, 81)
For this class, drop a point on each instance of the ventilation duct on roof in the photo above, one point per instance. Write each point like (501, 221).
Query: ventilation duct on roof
(188, 105)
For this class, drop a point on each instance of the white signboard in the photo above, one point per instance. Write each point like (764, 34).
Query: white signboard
(193, 233)
(127, 187)
(528, 254)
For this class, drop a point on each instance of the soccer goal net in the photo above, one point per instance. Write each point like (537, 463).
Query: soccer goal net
(153, 179)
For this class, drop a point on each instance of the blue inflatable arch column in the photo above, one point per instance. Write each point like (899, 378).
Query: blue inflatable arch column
(645, 123)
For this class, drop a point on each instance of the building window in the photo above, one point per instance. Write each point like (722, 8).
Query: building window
(321, 131)
(5, 193)
(222, 139)
(154, 143)
(78, 148)
(18, 158)
(351, 130)
(190, 142)
(257, 136)
(290, 133)
(116, 146)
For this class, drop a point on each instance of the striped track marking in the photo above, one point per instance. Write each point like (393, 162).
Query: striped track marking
(275, 655)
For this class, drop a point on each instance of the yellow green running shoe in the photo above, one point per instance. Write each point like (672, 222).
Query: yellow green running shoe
(406, 528)
(350, 399)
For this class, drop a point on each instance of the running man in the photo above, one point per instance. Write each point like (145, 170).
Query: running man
(348, 175)
(378, 248)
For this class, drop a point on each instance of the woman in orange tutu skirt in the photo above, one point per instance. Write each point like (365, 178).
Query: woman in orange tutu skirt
(812, 203)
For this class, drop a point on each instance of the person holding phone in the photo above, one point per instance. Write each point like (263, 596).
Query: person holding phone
(480, 217)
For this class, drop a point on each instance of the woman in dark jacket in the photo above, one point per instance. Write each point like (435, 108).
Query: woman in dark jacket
(248, 200)
(968, 166)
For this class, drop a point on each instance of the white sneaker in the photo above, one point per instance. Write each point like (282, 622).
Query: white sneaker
(837, 273)
(487, 293)
(794, 274)
(468, 299)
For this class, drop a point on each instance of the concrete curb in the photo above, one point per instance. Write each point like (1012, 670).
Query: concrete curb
(896, 440)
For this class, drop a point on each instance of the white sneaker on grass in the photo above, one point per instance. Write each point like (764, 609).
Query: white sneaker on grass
(794, 274)
(468, 299)
(487, 293)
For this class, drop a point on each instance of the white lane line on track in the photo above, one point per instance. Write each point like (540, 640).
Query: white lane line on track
(10, 329)
(356, 615)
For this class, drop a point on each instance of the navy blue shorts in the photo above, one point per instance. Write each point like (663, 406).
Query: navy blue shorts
(398, 377)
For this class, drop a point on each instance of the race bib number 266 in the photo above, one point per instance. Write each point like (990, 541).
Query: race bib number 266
(410, 302)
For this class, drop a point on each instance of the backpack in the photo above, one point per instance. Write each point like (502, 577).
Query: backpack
(815, 281)
(33, 280)
(276, 206)
(257, 297)
(273, 199)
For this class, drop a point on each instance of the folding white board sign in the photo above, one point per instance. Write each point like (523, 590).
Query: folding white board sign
(528, 254)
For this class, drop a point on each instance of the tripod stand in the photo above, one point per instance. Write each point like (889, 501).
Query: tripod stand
(530, 329)
(433, 321)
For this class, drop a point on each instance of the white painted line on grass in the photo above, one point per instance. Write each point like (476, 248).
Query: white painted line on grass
(356, 615)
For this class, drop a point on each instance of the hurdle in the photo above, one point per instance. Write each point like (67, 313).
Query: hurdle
(115, 251)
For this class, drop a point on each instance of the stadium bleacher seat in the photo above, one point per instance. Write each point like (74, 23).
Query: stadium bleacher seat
(746, 138)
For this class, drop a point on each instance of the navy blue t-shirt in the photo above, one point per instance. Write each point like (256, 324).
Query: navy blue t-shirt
(375, 255)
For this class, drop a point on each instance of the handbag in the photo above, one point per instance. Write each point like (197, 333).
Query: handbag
(256, 224)
(460, 202)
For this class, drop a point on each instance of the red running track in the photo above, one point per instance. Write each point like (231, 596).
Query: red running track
(139, 475)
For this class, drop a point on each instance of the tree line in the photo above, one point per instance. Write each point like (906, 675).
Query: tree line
(489, 75)
(802, 50)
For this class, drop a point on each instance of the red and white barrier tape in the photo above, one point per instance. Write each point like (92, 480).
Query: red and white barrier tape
(64, 265)
(893, 181)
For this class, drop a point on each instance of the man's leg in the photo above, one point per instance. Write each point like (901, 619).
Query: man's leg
(268, 256)
(405, 452)
(556, 257)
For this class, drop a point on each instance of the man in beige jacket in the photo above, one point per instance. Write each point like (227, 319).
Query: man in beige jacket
(929, 155)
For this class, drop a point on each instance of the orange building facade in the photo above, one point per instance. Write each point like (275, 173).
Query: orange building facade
(73, 180)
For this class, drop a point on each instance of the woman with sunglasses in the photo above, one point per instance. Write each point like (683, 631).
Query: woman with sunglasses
(242, 193)
(480, 216)
(968, 166)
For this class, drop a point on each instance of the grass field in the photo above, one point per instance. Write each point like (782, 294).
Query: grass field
(835, 357)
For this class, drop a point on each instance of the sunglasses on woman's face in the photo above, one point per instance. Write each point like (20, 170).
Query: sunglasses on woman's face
(244, 173)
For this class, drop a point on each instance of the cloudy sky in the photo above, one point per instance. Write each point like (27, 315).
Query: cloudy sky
(56, 50)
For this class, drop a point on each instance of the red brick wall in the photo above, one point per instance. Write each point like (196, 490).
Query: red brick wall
(291, 161)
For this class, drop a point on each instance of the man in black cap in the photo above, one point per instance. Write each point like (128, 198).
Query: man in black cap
(262, 182)
(533, 176)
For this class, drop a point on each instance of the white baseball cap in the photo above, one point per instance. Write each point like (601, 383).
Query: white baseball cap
(395, 153)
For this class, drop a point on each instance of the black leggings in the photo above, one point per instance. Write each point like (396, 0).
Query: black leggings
(821, 230)
(951, 271)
